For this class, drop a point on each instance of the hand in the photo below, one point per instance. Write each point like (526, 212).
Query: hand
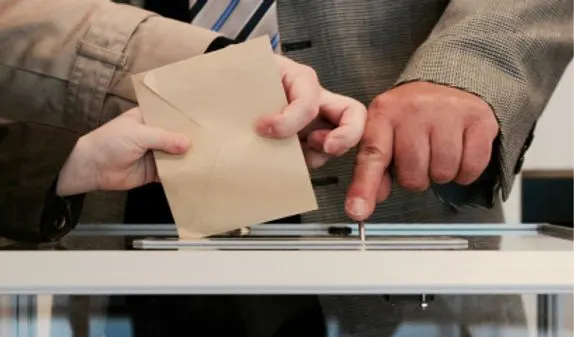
(429, 132)
(117, 156)
(328, 124)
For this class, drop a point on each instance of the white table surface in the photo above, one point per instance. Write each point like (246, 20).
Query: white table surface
(286, 272)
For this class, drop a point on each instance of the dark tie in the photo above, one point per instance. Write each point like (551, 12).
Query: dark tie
(237, 20)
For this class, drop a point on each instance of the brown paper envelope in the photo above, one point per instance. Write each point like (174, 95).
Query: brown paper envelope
(231, 177)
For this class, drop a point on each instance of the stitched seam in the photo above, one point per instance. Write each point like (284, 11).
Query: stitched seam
(105, 72)
(34, 72)
(92, 51)
(102, 89)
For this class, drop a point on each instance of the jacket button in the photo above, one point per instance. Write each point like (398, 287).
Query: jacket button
(529, 140)
(60, 223)
(525, 147)
(294, 46)
(519, 164)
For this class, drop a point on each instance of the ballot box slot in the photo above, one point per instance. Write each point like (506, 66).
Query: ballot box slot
(387, 243)
(319, 230)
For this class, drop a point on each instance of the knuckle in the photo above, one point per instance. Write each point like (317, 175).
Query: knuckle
(309, 71)
(473, 169)
(310, 112)
(493, 128)
(380, 103)
(442, 175)
(480, 105)
(354, 104)
(369, 152)
(401, 106)
(282, 133)
(417, 101)
(279, 130)
(413, 182)
(444, 167)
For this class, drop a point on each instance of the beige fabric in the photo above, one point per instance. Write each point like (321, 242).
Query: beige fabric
(77, 55)
(67, 63)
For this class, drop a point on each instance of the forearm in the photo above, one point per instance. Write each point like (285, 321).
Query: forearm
(31, 157)
(77, 175)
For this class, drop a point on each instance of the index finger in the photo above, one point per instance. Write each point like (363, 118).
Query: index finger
(373, 159)
(349, 115)
(303, 89)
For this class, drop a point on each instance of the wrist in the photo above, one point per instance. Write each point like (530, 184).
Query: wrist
(76, 176)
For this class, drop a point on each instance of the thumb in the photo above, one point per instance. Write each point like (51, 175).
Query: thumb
(151, 138)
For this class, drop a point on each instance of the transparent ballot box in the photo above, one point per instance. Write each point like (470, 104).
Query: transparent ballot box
(422, 270)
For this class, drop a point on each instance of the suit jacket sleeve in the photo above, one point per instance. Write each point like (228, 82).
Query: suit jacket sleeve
(511, 53)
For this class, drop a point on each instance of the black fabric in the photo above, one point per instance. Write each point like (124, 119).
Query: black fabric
(308, 323)
(147, 205)
(254, 20)
(195, 9)
(175, 316)
(219, 42)
(31, 156)
(203, 316)
(294, 46)
(173, 9)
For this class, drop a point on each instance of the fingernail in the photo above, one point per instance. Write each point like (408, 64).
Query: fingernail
(265, 130)
(182, 143)
(317, 161)
(329, 146)
(269, 130)
(334, 144)
(358, 207)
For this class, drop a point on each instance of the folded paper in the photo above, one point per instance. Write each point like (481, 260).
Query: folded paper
(231, 177)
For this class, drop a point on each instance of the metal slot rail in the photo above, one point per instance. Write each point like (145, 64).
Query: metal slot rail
(318, 230)
(389, 243)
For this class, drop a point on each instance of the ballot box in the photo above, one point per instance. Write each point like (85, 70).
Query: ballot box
(417, 262)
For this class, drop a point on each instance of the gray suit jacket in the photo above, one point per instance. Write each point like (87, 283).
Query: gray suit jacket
(511, 53)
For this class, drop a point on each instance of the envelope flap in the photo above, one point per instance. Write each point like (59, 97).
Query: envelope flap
(214, 89)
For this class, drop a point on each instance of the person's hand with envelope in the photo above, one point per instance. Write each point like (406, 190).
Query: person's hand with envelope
(328, 124)
(117, 156)
(204, 143)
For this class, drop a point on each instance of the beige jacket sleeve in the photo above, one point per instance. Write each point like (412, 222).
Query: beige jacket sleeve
(65, 69)
(511, 53)
(66, 63)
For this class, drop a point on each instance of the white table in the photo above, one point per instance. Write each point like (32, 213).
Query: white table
(527, 259)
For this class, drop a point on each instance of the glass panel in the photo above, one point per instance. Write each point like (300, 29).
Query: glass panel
(393, 316)
(483, 313)
(451, 236)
